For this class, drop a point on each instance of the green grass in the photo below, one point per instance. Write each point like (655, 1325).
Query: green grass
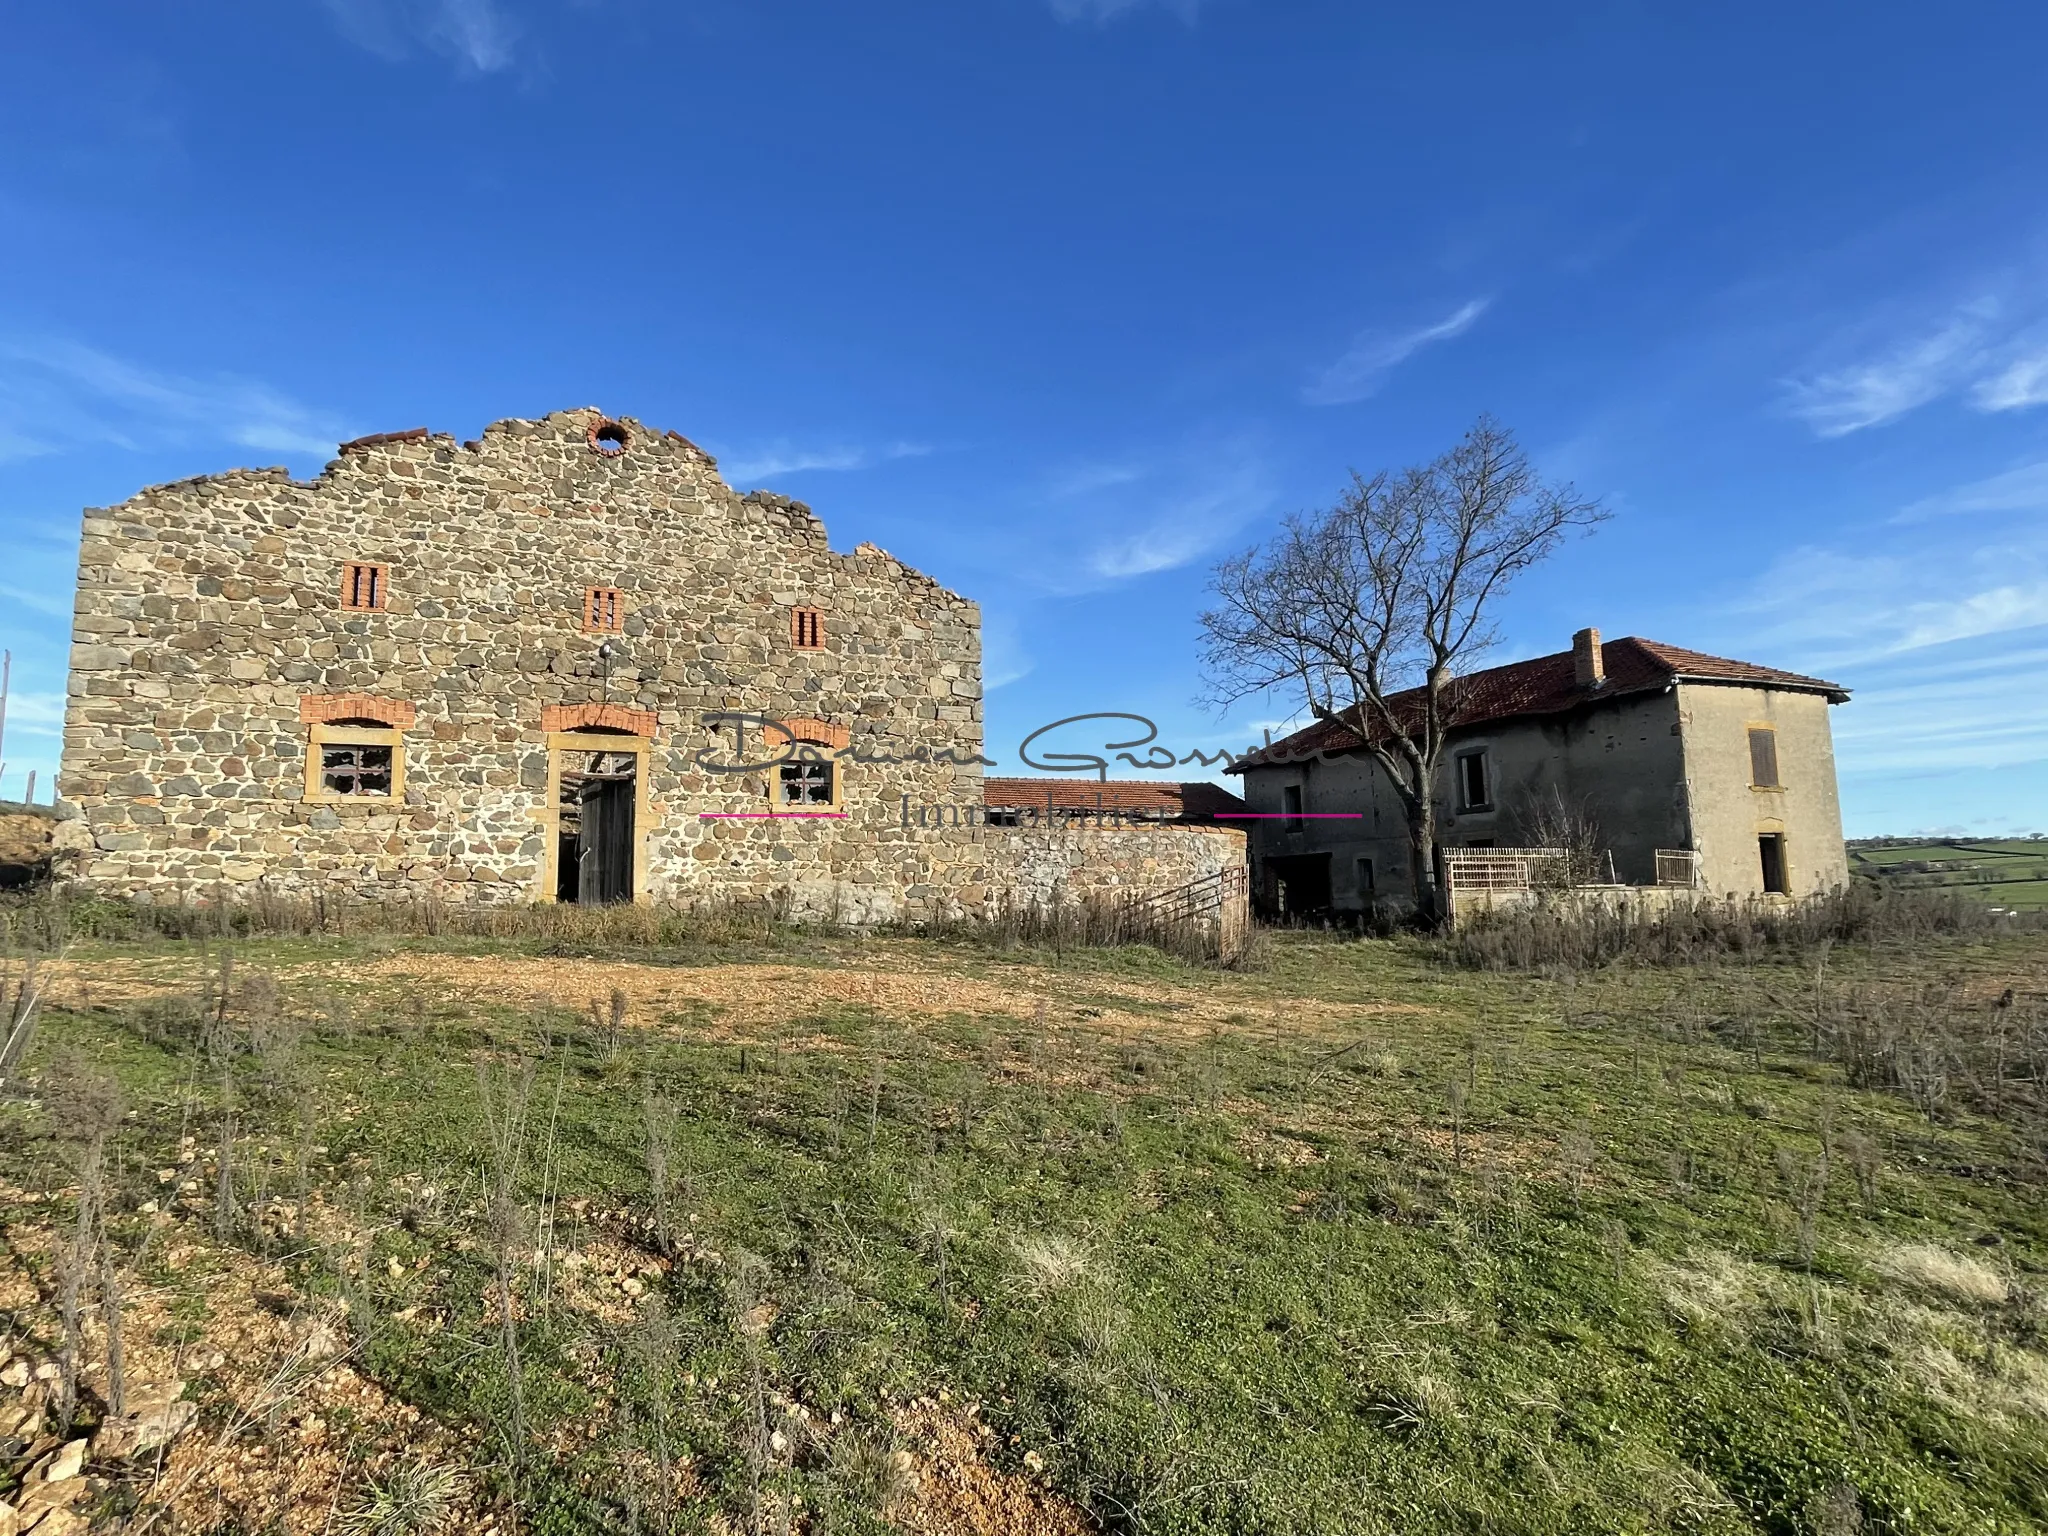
(2010, 872)
(1518, 1254)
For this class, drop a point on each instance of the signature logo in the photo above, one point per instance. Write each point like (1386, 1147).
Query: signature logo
(787, 747)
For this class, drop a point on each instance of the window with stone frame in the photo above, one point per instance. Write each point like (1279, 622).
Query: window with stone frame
(363, 585)
(354, 760)
(1763, 757)
(604, 610)
(807, 629)
(806, 786)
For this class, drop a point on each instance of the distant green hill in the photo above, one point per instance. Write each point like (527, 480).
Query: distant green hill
(2008, 872)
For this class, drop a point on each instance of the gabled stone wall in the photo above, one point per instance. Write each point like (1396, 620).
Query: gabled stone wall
(210, 630)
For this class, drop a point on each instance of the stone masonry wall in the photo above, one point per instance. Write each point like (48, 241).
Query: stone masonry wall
(210, 627)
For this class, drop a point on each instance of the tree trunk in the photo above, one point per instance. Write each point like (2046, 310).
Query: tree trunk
(1429, 894)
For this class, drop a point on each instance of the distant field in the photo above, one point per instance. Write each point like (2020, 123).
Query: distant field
(2009, 872)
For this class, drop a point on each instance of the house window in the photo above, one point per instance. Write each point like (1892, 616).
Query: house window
(604, 610)
(354, 760)
(1004, 818)
(1771, 850)
(1290, 805)
(1365, 880)
(806, 786)
(1474, 792)
(362, 585)
(1763, 757)
(807, 629)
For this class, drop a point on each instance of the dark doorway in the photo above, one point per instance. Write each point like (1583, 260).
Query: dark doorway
(594, 858)
(1771, 847)
(1297, 884)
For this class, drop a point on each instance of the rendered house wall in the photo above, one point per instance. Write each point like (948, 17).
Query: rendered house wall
(1729, 815)
(1668, 769)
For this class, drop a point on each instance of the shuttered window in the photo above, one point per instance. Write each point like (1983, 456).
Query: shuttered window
(1763, 757)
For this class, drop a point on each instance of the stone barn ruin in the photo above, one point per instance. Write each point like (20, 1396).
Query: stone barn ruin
(563, 662)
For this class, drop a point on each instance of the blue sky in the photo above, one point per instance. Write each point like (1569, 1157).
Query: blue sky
(1059, 300)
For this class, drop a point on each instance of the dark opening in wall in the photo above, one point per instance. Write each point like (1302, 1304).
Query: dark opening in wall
(608, 438)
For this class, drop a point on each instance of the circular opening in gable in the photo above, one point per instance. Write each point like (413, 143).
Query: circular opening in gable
(608, 438)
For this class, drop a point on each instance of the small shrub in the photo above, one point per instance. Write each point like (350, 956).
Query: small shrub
(417, 1497)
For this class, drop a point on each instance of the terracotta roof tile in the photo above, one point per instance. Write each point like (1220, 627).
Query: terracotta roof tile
(1200, 799)
(1547, 685)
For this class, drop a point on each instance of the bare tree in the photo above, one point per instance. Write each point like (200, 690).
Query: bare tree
(1369, 608)
(1551, 821)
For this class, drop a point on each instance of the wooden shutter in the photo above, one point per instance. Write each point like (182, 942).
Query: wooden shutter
(1763, 758)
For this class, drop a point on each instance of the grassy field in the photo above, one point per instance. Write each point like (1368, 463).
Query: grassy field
(2009, 872)
(822, 1234)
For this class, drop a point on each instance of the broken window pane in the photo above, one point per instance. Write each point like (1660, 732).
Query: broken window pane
(807, 784)
(356, 770)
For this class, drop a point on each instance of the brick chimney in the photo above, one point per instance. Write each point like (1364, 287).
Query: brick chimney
(1589, 670)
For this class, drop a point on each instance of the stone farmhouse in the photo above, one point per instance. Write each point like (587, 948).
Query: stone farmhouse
(563, 662)
(1694, 771)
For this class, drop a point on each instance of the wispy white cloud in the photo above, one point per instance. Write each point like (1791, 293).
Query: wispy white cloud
(477, 34)
(2023, 382)
(34, 714)
(1992, 350)
(58, 395)
(1189, 514)
(1004, 658)
(1374, 354)
(2017, 490)
(1101, 12)
(55, 604)
(1876, 390)
(785, 458)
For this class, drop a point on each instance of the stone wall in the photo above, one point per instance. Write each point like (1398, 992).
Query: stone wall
(211, 638)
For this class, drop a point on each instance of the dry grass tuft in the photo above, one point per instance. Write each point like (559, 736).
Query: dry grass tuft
(1051, 1262)
(1927, 1267)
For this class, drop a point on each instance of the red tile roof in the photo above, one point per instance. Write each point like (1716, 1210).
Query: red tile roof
(1547, 685)
(1148, 797)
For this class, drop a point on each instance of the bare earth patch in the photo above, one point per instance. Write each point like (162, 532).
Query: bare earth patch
(959, 1494)
(742, 1001)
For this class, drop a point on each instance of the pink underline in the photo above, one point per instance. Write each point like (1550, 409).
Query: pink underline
(1290, 815)
(770, 815)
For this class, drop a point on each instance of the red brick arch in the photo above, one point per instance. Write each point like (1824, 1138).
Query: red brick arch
(325, 708)
(803, 728)
(602, 717)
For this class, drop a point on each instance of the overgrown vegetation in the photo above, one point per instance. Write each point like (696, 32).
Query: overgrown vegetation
(53, 915)
(1747, 1239)
(1584, 931)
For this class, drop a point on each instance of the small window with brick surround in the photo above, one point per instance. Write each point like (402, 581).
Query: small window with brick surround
(604, 610)
(354, 760)
(807, 629)
(362, 584)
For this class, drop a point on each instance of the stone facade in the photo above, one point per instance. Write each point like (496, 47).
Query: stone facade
(556, 589)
